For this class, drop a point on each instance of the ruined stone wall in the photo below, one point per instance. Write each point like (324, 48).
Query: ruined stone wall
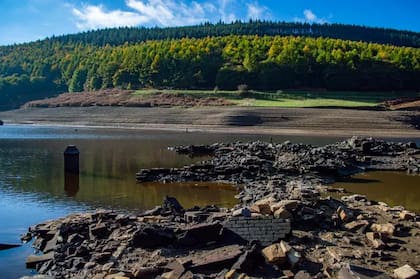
(266, 229)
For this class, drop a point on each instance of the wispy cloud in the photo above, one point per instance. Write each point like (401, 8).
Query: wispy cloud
(93, 17)
(165, 13)
(311, 17)
(255, 11)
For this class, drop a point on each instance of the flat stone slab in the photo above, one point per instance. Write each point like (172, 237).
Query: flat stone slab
(33, 260)
(216, 258)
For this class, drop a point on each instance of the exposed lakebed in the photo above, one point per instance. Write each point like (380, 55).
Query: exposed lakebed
(32, 181)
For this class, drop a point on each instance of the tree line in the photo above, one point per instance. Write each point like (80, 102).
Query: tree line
(43, 68)
(119, 36)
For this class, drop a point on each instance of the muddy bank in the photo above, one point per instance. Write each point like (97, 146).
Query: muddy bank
(291, 121)
(281, 227)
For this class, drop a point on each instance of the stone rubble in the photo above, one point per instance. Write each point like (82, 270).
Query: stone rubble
(347, 237)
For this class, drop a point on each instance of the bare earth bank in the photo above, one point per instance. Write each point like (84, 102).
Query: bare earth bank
(308, 121)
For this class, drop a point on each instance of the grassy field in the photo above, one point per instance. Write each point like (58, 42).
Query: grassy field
(292, 98)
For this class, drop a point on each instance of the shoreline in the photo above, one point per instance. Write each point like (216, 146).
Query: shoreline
(265, 121)
(281, 206)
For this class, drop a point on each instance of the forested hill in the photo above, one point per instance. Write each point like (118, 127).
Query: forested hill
(45, 68)
(119, 36)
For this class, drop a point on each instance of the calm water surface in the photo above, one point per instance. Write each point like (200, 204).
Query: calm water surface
(394, 188)
(33, 187)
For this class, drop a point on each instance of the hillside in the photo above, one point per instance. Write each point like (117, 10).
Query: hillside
(76, 63)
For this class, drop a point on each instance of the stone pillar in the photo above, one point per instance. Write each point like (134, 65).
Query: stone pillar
(71, 160)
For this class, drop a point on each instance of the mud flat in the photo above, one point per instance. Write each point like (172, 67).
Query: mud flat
(280, 228)
(288, 121)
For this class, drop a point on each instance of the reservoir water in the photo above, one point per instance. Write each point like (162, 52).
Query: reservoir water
(33, 187)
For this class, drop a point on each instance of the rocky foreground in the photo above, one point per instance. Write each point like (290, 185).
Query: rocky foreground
(282, 226)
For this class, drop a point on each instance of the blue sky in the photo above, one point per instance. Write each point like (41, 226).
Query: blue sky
(28, 20)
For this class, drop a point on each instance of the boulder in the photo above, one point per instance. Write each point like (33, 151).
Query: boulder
(405, 272)
(385, 229)
(356, 225)
(1, 123)
(274, 254)
(407, 215)
(262, 206)
(283, 213)
(374, 239)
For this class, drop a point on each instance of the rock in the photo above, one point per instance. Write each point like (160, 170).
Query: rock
(216, 259)
(357, 272)
(385, 229)
(303, 275)
(407, 215)
(152, 237)
(405, 272)
(5, 246)
(249, 260)
(172, 205)
(195, 216)
(293, 256)
(244, 211)
(283, 213)
(33, 260)
(375, 240)
(233, 274)
(51, 244)
(345, 214)
(274, 254)
(146, 272)
(177, 269)
(356, 225)
(99, 231)
(200, 234)
(1, 123)
(262, 206)
(289, 205)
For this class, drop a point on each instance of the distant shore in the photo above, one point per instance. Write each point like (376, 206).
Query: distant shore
(250, 120)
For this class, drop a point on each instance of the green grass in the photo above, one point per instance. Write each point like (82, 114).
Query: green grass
(291, 98)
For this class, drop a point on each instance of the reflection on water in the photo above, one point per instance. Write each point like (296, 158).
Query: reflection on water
(394, 188)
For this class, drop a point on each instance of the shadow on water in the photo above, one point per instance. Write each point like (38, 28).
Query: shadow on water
(356, 180)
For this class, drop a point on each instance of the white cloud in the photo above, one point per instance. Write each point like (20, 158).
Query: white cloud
(93, 17)
(311, 17)
(166, 13)
(255, 11)
(225, 15)
(169, 12)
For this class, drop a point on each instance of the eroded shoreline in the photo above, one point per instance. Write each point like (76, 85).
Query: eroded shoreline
(282, 182)
(286, 121)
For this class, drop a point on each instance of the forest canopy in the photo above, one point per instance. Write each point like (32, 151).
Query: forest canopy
(45, 68)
